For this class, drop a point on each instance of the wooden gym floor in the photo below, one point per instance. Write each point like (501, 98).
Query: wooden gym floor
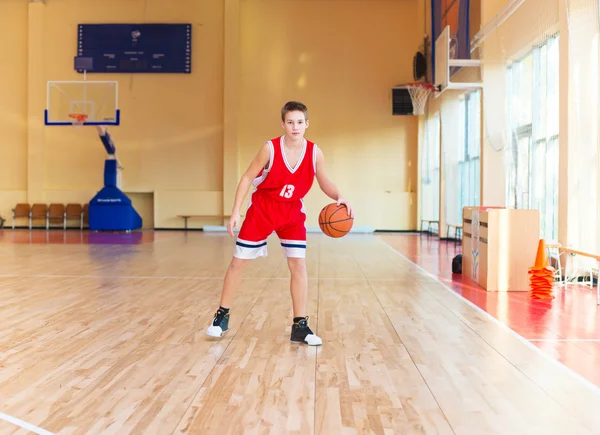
(567, 328)
(104, 334)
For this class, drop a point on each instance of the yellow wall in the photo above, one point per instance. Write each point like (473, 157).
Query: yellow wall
(13, 104)
(491, 8)
(343, 73)
(452, 126)
(249, 57)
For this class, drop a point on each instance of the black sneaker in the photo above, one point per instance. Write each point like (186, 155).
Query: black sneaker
(301, 333)
(220, 324)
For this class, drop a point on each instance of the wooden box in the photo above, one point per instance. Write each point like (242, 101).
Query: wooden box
(499, 246)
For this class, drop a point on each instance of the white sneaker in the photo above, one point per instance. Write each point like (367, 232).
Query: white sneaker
(220, 324)
(301, 333)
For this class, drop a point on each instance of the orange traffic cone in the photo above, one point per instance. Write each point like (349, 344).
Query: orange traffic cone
(541, 275)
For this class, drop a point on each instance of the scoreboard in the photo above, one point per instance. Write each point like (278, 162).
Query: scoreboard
(135, 48)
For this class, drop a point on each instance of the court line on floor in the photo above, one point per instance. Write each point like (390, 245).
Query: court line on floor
(198, 278)
(593, 387)
(407, 350)
(229, 337)
(24, 424)
(575, 340)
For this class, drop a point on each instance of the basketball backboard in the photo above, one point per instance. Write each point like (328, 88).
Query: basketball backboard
(456, 15)
(451, 49)
(446, 64)
(442, 55)
(97, 100)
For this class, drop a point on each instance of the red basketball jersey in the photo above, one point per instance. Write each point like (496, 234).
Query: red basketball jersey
(280, 181)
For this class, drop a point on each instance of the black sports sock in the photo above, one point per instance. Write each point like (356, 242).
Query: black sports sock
(297, 319)
(225, 310)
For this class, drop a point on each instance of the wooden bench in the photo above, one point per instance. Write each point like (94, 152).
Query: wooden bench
(55, 213)
(188, 216)
(430, 223)
(185, 217)
(457, 229)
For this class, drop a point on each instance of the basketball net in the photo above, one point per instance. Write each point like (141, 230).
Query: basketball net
(78, 119)
(419, 92)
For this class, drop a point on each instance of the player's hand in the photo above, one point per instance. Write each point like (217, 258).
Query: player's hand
(234, 221)
(347, 204)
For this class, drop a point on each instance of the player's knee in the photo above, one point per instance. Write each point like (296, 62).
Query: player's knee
(297, 265)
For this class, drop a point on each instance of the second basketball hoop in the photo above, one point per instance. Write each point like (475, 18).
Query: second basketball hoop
(419, 92)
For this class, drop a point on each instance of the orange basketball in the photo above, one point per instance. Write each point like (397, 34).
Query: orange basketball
(335, 221)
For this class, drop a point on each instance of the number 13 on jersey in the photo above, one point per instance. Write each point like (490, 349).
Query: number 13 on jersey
(287, 191)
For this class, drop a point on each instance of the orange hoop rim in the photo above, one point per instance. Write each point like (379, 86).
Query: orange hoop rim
(422, 85)
(78, 118)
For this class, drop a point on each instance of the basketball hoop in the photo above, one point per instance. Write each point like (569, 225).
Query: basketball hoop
(78, 118)
(419, 92)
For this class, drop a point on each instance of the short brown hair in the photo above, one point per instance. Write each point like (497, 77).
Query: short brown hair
(293, 106)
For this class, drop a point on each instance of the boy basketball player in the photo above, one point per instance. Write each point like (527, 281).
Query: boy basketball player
(282, 174)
